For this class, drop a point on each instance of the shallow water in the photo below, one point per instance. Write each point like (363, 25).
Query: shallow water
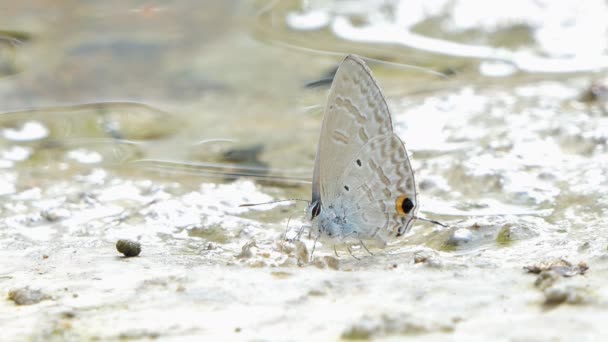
(154, 122)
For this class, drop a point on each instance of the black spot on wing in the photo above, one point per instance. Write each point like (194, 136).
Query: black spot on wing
(316, 209)
(407, 205)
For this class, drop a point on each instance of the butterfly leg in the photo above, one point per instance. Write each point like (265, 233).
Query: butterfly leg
(364, 246)
(301, 231)
(285, 234)
(336, 251)
(351, 252)
(312, 252)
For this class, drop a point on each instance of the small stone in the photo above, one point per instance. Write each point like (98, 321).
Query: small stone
(561, 266)
(68, 314)
(128, 247)
(419, 258)
(461, 237)
(427, 258)
(27, 296)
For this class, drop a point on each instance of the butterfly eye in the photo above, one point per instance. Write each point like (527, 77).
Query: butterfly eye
(404, 205)
(316, 209)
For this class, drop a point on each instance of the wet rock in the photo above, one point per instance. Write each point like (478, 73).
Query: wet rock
(128, 247)
(562, 267)
(27, 296)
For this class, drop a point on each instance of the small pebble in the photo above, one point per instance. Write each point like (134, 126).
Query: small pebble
(27, 296)
(460, 237)
(128, 247)
(563, 267)
(68, 314)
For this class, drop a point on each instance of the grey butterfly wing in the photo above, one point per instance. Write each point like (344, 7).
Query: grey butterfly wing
(356, 111)
(379, 187)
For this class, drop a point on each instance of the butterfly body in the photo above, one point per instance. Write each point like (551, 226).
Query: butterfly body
(363, 185)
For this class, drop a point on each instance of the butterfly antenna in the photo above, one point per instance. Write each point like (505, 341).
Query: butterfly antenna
(431, 221)
(272, 202)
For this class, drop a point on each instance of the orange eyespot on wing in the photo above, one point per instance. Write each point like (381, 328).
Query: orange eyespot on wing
(403, 205)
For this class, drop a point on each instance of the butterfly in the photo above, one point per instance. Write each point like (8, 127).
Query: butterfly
(363, 184)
